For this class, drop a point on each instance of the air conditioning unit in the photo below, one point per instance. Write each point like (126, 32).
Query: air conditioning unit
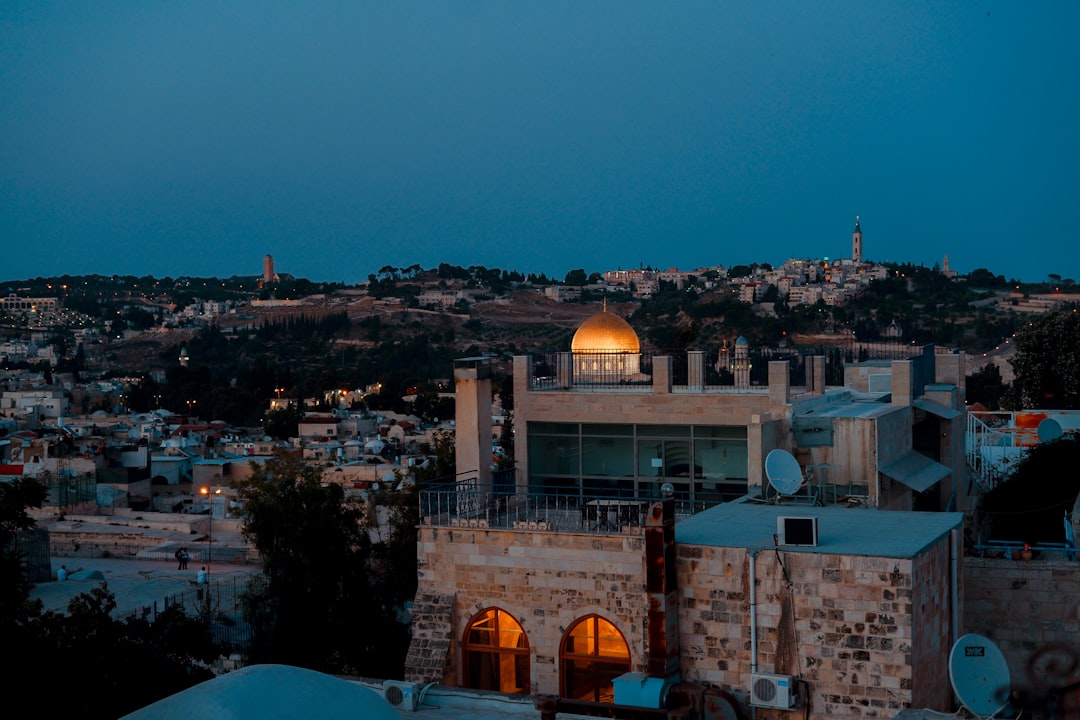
(401, 695)
(797, 531)
(772, 691)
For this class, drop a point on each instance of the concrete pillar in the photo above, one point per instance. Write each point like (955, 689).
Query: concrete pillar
(661, 377)
(472, 434)
(819, 374)
(695, 369)
(902, 393)
(779, 383)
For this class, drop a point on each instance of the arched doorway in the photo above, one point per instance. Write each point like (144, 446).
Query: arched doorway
(495, 653)
(593, 654)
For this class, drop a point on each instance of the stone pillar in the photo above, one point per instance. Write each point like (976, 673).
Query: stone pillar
(472, 419)
(779, 383)
(819, 374)
(902, 393)
(661, 378)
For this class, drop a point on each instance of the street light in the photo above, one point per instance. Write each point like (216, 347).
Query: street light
(210, 493)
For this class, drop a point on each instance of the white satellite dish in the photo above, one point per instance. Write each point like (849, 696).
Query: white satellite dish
(783, 472)
(979, 675)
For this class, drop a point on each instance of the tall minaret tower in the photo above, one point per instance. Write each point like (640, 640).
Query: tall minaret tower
(856, 242)
(268, 269)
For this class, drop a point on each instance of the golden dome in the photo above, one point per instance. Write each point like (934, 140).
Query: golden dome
(605, 332)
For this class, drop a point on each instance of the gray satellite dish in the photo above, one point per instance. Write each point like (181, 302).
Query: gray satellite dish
(979, 675)
(783, 472)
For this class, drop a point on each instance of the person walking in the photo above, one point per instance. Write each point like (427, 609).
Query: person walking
(184, 557)
(179, 558)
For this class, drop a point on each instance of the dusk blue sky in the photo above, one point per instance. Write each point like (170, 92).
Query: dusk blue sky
(192, 138)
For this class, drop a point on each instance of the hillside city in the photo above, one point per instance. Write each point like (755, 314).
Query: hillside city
(150, 407)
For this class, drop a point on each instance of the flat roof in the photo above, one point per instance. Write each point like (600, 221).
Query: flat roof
(841, 531)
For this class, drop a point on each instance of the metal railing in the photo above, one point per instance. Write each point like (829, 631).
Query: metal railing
(722, 369)
(467, 505)
(219, 603)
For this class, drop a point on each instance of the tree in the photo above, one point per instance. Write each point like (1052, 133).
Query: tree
(16, 499)
(107, 668)
(1047, 362)
(323, 604)
(1030, 505)
(985, 386)
(576, 277)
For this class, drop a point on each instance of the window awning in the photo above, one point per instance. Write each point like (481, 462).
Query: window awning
(915, 470)
(936, 409)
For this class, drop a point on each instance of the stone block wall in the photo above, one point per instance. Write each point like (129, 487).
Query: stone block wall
(546, 580)
(869, 635)
(847, 625)
(1022, 606)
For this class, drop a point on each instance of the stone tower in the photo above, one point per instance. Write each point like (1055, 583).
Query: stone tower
(856, 242)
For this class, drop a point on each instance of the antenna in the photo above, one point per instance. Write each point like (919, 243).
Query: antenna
(979, 675)
(783, 472)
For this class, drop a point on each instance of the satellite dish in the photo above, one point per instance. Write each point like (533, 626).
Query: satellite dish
(1049, 429)
(979, 675)
(783, 472)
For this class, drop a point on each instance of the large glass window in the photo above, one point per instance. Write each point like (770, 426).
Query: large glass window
(706, 464)
(495, 653)
(593, 654)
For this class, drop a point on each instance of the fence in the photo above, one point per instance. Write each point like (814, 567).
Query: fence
(466, 504)
(219, 603)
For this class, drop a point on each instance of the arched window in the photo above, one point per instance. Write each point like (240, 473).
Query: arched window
(593, 654)
(495, 653)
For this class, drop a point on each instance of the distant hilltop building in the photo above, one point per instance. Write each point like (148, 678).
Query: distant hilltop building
(946, 270)
(856, 242)
(269, 276)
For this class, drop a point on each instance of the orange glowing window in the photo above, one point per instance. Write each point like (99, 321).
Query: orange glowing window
(593, 654)
(495, 653)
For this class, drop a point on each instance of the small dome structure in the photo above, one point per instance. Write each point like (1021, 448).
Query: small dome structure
(605, 332)
(606, 349)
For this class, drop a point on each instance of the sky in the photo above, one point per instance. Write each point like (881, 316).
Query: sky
(193, 138)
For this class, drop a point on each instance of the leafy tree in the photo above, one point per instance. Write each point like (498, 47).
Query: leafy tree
(1030, 505)
(323, 604)
(107, 668)
(16, 499)
(282, 423)
(986, 386)
(576, 277)
(1047, 362)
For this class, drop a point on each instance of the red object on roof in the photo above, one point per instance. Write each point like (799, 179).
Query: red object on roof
(11, 470)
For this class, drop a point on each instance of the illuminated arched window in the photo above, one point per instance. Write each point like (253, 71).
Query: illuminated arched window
(495, 653)
(593, 654)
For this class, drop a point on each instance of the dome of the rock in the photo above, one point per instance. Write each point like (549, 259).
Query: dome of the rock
(605, 332)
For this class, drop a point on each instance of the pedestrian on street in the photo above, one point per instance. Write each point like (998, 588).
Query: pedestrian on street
(184, 557)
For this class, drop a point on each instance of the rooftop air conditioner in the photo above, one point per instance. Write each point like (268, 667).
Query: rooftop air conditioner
(772, 691)
(401, 695)
(797, 531)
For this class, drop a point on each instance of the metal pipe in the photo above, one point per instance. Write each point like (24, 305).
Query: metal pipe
(954, 582)
(753, 610)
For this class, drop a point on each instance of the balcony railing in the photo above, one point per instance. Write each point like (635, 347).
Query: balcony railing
(719, 371)
(468, 505)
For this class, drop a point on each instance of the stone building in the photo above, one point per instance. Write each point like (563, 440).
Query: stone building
(547, 584)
